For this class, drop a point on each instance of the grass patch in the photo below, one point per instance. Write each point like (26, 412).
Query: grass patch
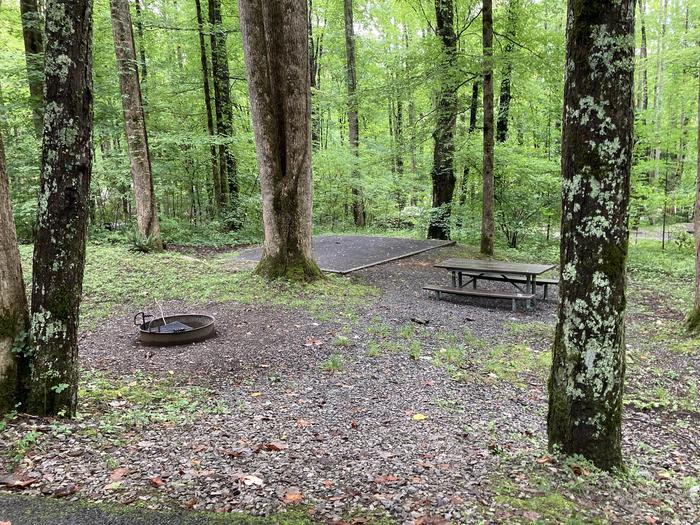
(510, 362)
(116, 277)
(335, 363)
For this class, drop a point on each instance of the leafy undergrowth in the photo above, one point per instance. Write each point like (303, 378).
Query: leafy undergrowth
(116, 277)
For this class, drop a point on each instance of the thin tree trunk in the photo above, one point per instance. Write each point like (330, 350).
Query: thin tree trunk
(62, 218)
(443, 176)
(34, 55)
(358, 212)
(473, 107)
(693, 321)
(135, 124)
(143, 69)
(658, 92)
(224, 110)
(588, 362)
(315, 54)
(275, 45)
(506, 95)
(487, 221)
(215, 177)
(644, 99)
(14, 315)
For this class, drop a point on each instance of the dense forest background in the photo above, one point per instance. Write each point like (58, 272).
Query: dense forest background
(399, 65)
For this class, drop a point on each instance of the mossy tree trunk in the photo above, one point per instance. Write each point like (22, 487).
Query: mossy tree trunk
(135, 124)
(487, 220)
(59, 249)
(277, 65)
(358, 211)
(443, 173)
(588, 363)
(13, 300)
(224, 111)
(694, 317)
(34, 53)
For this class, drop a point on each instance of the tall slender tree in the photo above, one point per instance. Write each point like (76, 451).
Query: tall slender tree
(135, 124)
(224, 111)
(487, 212)
(358, 212)
(34, 54)
(13, 300)
(442, 174)
(275, 45)
(588, 362)
(506, 95)
(59, 248)
(693, 321)
(215, 173)
(143, 67)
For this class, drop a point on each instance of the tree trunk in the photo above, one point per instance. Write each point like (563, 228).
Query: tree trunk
(275, 45)
(506, 95)
(588, 362)
(693, 322)
(135, 124)
(658, 92)
(315, 54)
(224, 110)
(473, 107)
(358, 212)
(644, 98)
(442, 174)
(142, 49)
(215, 177)
(14, 316)
(487, 222)
(62, 217)
(34, 55)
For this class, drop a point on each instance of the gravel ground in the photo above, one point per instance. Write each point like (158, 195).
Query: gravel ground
(390, 432)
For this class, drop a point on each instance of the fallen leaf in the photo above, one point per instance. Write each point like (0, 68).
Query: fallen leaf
(276, 446)
(255, 394)
(310, 341)
(117, 485)
(354, 424)
(292, 496)
(303, 423)
(5, 523)
(385, 479)
(191, 503)
(545, 459)
(652, 520)
(531, 515)
(119, 473)
(419, 417)
(327, 483)
(200, 448)
(250, 480)
(13, 481)
(156, 481)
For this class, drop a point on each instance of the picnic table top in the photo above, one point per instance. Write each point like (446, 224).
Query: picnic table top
(484, 265)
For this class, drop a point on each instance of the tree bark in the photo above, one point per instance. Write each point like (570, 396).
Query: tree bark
(473, 107)
(14, 315)
(588, 362)
(443, 176)
(644, 98)
(506, 95)
(62, 217)
(224, 110)
(358, 212)
(135, 124)
(215, 173)
(693, 321)
(275, 45)
(487, 221)
(34, 55)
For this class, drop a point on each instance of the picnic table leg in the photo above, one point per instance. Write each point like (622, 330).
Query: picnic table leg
(534, 290)
(454, 279)
(528, 287)
(460, 280)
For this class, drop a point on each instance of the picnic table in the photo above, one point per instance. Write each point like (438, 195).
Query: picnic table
(516, 274)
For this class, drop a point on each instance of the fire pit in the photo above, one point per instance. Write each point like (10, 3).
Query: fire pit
(174, 329)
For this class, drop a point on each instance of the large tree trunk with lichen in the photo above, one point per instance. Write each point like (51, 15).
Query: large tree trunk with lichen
(135, 124)
(358, 211)
(588, 362)
(694, 317)
(487, 220)
(215, 173)
(443, 174)
(277, 65)
(34, 55)
(59, 249)
(224, 111)
(13, 300)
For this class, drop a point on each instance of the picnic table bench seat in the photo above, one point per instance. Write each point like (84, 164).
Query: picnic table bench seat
(541, 281)
(479, 293)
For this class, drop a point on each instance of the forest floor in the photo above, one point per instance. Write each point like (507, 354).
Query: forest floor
(358, 400)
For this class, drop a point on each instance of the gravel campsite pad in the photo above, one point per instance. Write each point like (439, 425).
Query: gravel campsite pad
(418, 410)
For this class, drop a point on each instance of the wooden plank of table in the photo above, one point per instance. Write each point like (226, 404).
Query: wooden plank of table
(489, 266)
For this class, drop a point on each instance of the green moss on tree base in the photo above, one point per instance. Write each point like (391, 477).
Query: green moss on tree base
(693, 321)
(293, 268)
